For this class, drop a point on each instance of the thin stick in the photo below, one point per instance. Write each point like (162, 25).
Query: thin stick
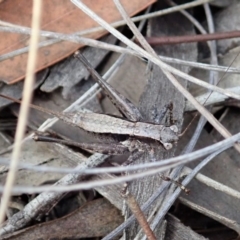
(138, 213)
(27, 93)
(156, 41)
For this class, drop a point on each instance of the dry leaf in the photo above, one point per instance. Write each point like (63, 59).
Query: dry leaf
(95, 219)
(57, 16)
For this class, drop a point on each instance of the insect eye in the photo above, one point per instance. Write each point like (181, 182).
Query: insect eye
(167, 146)
(174, 128)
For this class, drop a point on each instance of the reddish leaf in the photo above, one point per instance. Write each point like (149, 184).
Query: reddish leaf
(57, 16)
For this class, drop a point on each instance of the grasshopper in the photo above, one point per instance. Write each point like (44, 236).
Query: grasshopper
(128, 135)
(132, 128)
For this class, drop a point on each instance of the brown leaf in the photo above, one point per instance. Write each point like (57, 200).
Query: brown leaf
(57, 16)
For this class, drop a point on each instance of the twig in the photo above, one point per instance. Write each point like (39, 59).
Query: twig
(127, 222)
(136, 210)
(156, 41)
(27, 95)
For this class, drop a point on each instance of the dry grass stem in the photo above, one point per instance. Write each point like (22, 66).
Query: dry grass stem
(27, 93)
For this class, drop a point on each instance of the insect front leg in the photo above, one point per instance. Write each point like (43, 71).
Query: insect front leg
(124, 106)
(158, 116)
